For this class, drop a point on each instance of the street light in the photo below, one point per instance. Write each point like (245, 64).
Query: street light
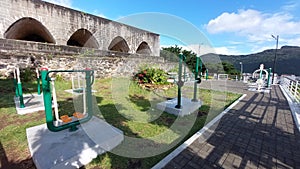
(274, 63)
(241, 63)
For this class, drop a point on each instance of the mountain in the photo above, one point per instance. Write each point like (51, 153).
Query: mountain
(287, 60)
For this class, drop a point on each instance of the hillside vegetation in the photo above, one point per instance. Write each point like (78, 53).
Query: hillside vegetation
(287, 62)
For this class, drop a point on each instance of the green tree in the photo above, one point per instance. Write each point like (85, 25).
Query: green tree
(172, 53)
(230, 69)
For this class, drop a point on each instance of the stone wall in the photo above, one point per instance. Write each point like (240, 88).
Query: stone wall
(25, 54)
(60, 23)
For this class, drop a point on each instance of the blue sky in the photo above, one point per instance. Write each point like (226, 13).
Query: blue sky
(231, 26)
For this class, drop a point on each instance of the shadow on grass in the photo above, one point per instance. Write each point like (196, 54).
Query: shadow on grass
(7, 91)
(140, 101)
(11, 164)
(110, 113)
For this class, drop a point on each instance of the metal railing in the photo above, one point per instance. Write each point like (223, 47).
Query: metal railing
(292, 87)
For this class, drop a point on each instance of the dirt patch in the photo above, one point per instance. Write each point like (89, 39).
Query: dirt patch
(20, 121)
(149, 86)
(10, 157)
(24, 164)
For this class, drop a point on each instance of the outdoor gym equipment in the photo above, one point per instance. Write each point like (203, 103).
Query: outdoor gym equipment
(180, 82)
(68, 122)
(222, 76)
(18, 85)
(260, 81)
(78, 88)
(182, 106)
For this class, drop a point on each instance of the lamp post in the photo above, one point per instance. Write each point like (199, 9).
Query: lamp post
(274, 63)
(241, 63)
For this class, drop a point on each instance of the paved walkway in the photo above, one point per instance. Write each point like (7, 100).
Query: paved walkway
(259, 132)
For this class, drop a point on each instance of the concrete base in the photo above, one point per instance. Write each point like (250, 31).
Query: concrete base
(187, 106)
(66, 149)
(33, 103)
(253, 87)
(264, 90)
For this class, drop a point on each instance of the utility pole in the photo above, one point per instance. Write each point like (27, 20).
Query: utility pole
(274, 63)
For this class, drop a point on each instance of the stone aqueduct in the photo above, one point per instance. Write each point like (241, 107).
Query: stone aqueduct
(39, 21)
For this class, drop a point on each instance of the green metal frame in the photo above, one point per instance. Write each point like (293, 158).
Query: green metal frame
(38, 86)
(180, 82)
(89, 78)
(197, 79)
(18, 87)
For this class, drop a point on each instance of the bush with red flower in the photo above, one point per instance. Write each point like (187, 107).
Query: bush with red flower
(151, 75)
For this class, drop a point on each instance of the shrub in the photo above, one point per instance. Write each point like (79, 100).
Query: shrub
(151, 75)
(27, 74)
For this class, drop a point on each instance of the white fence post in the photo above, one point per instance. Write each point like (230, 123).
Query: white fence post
(291, 86)
(296, 90)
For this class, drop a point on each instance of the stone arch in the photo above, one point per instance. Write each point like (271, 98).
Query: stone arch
(143, 48)
(119, 44)
(29, 29)
(83, 38)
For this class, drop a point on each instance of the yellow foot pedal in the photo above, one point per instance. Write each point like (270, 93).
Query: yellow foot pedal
(78, 115)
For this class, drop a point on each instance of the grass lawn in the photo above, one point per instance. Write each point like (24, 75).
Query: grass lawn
(124, 105)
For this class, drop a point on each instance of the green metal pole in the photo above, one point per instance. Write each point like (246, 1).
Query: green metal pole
(22, 105)
(200, 66)
(206, 74)
(47, 98)
(269, 77)
(38, 81)
(196, 78)
(15, 84)
(20, 91)
(39, 86)
(180, 82)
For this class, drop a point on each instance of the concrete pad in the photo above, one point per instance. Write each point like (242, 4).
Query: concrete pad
(33, 103)
(263, 90)
(187, 108)
(66, 149)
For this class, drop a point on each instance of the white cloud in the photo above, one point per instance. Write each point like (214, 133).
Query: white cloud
(225, 50)
(254, 25)
(66, 3)
(256, 28)
(290, 6)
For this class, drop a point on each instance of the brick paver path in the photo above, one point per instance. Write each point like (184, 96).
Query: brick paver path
(259, 132)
